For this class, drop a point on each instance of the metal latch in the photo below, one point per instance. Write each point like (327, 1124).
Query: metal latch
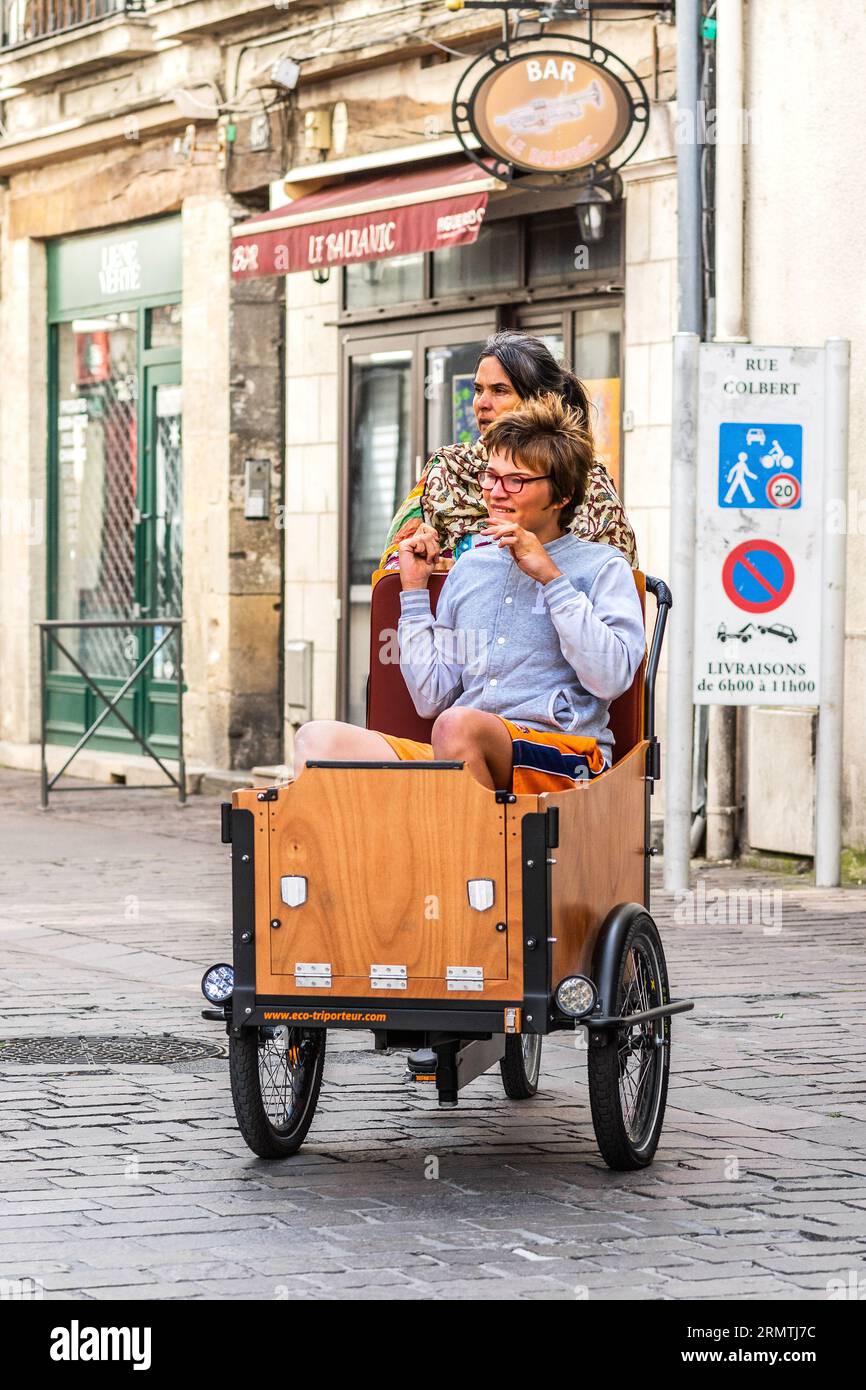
(481, 893)
(312, 975)
(465, 977)
(293, 890)
(388, 976)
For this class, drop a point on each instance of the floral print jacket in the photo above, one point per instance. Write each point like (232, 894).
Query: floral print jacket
(448, 497)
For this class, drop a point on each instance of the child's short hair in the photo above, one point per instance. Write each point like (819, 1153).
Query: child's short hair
(547, 436)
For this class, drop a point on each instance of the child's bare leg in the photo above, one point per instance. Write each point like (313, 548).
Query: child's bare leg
(479, 740)
(329, 740)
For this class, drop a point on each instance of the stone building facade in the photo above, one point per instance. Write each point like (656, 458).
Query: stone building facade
(279, 371)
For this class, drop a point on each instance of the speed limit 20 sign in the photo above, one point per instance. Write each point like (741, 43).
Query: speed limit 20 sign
(783, 490)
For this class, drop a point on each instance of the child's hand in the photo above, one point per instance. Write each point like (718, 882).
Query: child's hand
(417, 556)
(529, 554)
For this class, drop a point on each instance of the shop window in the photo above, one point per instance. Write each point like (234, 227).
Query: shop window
(163, 326)
(380, 464)
(396, 280)
(381, 461)
(596, 358)
(97, 427)
(558, 253)
(490, 263)
(449, 390)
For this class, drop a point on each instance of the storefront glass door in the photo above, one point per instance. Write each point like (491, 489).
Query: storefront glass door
(449, 376)
(589, 338)
(407, 395)
(114, 521)
(381, 458)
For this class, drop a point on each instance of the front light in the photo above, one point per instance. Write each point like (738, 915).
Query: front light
(576, 996)
(218, 983)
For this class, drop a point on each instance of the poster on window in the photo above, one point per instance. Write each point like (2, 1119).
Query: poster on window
(605, 394)
(465, 428)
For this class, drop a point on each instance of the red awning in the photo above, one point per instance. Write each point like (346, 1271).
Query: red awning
(366, 221)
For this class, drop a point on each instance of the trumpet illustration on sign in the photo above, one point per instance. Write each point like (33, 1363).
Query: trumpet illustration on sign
(542, 115)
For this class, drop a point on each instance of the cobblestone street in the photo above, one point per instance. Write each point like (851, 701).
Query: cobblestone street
(132, 1181)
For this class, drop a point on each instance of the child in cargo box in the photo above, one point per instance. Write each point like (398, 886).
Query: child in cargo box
(535, 632)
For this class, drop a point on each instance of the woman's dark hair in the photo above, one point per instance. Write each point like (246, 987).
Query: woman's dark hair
(533, 370)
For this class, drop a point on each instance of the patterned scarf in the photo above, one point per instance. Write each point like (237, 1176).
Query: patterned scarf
(448, 497)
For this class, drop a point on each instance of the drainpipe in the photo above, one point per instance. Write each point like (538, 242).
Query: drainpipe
(730, 328)
(680, 713)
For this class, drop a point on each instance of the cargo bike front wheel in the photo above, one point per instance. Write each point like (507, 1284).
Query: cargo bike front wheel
(276, 1076)
(628, 1067)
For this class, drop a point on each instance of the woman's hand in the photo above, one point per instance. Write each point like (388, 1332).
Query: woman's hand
(529, 554)
(417, 556)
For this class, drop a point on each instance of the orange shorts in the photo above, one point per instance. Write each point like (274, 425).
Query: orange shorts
(541, 760)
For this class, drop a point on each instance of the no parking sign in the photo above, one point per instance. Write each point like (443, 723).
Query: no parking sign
(758, 576)
(759, 525)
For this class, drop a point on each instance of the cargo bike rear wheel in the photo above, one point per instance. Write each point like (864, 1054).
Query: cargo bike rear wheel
(521, 1065)
(276, 1076)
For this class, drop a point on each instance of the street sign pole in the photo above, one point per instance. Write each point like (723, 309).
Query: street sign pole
(677, 765)
(828, 770)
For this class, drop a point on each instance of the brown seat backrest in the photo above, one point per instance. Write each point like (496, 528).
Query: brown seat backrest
(389, 704)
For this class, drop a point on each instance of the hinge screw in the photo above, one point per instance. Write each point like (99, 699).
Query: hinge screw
(245, 859)
(500, 926)
(245, 936)
(530, 863)
(275, 922)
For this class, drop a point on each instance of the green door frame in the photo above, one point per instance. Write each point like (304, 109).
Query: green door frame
(147, 705)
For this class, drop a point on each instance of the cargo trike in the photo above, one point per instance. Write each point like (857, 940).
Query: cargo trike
(407, 900)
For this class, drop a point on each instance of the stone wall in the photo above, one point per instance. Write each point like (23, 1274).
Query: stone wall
(311, 485)
(23, 481)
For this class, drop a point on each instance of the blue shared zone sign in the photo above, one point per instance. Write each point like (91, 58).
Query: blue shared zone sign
(761, 466)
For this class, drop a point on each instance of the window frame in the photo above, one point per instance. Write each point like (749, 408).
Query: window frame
(610, 280)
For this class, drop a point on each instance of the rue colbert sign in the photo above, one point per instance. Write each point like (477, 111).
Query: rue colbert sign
(551, 106)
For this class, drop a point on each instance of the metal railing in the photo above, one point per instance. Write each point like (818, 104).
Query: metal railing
(48, 630)
(25, 21)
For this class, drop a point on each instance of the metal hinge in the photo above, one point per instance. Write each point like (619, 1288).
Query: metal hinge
(465, 977)
(653, 760)
(312, 975)
(226, 822)
(388, 976)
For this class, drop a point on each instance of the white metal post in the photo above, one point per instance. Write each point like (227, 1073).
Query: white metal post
(828, 772)
(677, 764)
